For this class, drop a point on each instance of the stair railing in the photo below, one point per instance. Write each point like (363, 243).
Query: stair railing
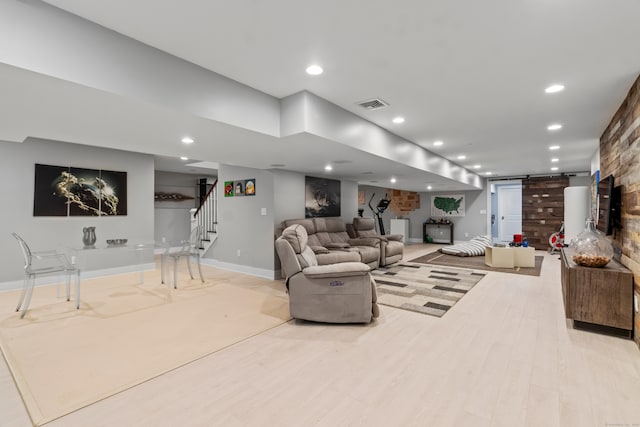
(206, 216)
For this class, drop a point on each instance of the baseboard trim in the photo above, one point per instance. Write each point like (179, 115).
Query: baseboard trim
(252, 271)
(50, 280)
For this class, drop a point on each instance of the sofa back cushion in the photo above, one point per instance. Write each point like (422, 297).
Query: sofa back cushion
(337, 230)
(308, 224)
(365, 227)
(296, 236)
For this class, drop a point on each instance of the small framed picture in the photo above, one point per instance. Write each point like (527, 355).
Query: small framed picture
(250, 187)
(228, 189)
(238, 188)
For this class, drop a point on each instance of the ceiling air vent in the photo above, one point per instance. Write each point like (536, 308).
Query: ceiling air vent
(373, 104)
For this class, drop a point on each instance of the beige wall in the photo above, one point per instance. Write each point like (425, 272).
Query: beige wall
(620, 157)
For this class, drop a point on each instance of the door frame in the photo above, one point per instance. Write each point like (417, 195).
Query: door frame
(491, 189)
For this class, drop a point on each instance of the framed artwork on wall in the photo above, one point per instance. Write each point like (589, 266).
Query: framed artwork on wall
(449, 205)
(322, 197)
(113, 193)
(240, 188)
(80, 188)
(47, 197)
(71, 191)
(228, 189)
(250, 187)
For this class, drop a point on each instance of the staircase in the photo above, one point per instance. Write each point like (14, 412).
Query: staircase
(207, 217)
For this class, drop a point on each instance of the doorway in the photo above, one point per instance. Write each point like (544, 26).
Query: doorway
(506, 210)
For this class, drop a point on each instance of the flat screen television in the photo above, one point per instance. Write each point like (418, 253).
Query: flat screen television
(609, 198)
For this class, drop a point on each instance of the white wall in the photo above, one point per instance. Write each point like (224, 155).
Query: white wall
(17, 166)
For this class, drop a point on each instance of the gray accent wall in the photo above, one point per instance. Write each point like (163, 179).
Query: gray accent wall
(17, 166)
(241, 225)
(464, 228)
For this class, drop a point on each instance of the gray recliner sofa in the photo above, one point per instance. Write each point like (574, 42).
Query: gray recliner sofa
(391, 246)
(336, 293)
(329, 240)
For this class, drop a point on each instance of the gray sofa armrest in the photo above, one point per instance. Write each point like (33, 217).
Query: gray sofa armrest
(337, 245)
(343, 269)
(365, 241)
(394, 237)
(319, 249)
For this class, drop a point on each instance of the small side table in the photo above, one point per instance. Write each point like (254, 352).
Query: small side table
(499, 257)
(524, 257)
(510, 257)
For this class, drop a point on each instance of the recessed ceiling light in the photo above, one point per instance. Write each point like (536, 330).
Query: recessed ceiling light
(488, 173)
(438, 143)
(314, 70)
(462, 157)
(328, 168)
(429, 187)
(393, 180)
(555, 159)
(554, 126)
(187, 140)
(554, 168)
(477, 166)
(554, 147)
(184, 158)
(554, 88)
(398, 120)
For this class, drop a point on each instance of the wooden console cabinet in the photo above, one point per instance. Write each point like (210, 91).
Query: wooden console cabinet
(597, 296)
(440, 233)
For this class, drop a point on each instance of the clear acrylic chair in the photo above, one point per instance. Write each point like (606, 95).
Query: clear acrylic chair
(190, 248)
(45, 263)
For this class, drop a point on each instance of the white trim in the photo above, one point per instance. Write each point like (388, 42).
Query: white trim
(42, 281)
(414, 240)
(253, 271)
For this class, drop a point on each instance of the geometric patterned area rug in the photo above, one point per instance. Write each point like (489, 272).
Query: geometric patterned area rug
(426, 289)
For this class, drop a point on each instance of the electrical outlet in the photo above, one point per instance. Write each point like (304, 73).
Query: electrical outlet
(466, 234)
(238, 252)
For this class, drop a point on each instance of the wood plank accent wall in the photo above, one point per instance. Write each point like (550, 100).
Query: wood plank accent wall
(542, 208)
(620, 157)
(403, 202)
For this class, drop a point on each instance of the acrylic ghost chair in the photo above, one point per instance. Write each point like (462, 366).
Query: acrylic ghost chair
(190, 248)
(45, 263)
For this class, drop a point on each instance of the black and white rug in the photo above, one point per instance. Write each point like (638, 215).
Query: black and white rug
(426, 289)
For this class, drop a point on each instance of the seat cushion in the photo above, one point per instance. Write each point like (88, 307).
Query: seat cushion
(474, 247)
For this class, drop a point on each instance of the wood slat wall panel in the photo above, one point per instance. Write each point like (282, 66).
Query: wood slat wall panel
(620, 157)
(542, 208)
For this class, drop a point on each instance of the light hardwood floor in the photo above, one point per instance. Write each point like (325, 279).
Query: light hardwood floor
(503, 356)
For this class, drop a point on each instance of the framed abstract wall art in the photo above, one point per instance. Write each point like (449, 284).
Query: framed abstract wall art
(322, 197)
(71, 191)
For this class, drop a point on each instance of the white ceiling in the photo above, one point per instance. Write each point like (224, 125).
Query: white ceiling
(470, 73)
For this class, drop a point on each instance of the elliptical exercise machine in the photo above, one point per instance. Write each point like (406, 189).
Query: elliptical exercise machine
(382, 206)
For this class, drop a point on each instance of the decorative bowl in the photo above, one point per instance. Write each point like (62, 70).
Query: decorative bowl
(116, 242)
